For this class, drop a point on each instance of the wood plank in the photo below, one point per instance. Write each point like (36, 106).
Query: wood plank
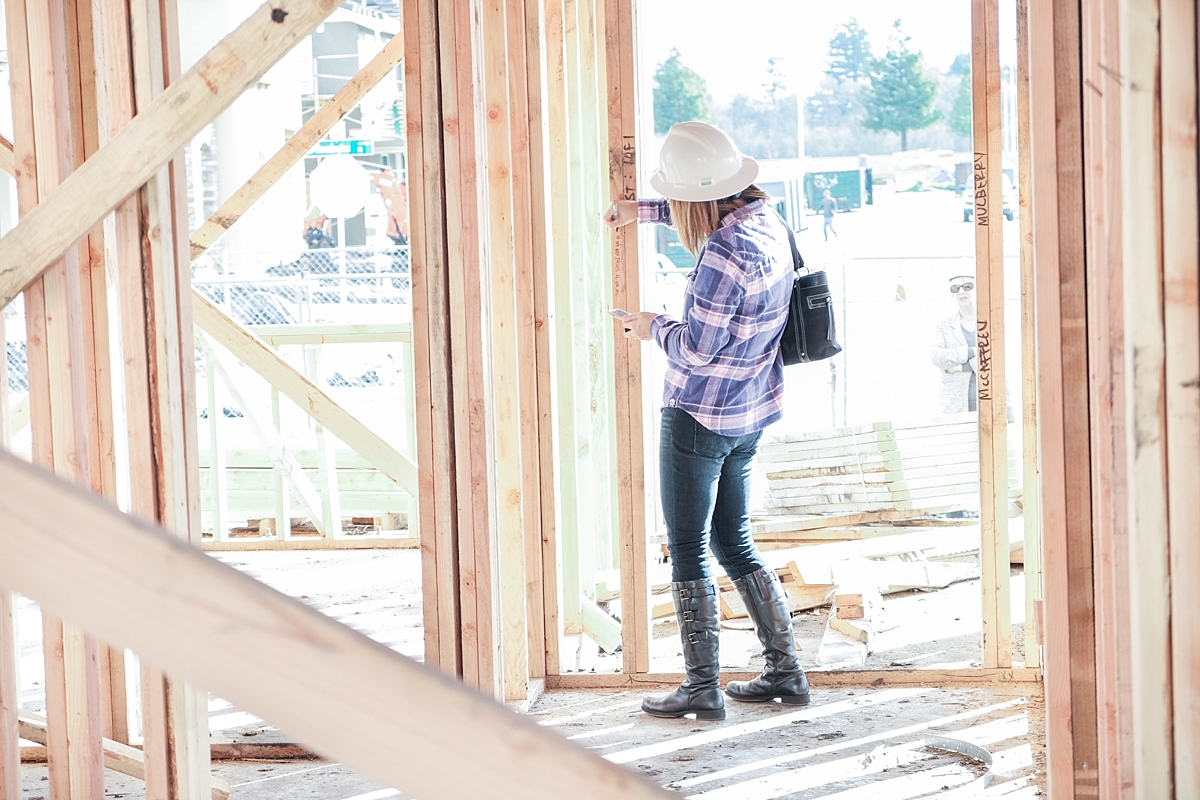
(18, 417)
(620, 82)
(989, 267)
(157, 134)
(278, 335)
(529, 257)
(304, 393)
(373, 542)
(412, 726)
(1057, 629)
(505, 408)
(541, 265)
(431, 338)
(320, 123)
(10, 698)
(1031, 489)
(118, 756)
(1103, 187)
(8, 162)
(820, 679)
(1181, 320)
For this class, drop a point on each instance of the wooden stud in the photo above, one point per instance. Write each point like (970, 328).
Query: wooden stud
(1181, 320)
(570, 489)
(1100, 29)
(431, 338)
(630, 433)
(10, 696)
(507, 406)
(818, 679)
(529, 211)
(413, 728)
(1031, 487)
(8, 162)
(158, 133)
(537, 90)
(989, 266)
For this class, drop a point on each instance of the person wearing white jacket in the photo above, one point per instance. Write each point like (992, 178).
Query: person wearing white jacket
(954, 350)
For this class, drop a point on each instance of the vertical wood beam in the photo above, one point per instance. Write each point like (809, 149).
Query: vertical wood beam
(1100, 29)
(46, 78)
(989, 266)
(10, 696)
(542, 201)
(432, 342)
(506, 417)
(1149, 570)
(1060, 772)
(524, 73)
(1031, 486)
(1181, 319)
(621, 75)
(565, 585)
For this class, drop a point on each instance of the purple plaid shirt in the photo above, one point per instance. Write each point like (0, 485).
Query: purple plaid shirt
(724, 366)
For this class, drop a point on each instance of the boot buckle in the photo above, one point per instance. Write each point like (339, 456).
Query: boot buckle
(694, 638)
(689, 616)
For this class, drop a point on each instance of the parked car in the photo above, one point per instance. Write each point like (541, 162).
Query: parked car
(1008, 197)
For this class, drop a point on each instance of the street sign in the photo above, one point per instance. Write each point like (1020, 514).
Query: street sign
(349, 147)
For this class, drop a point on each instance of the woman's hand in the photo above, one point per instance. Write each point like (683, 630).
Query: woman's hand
(637, 326)
(621, 213)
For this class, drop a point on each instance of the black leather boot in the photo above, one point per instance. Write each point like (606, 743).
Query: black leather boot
(699, 623)
(782, 677)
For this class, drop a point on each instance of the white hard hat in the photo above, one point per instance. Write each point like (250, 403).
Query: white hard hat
(698, 163)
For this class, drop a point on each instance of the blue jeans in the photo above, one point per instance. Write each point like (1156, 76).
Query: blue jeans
(705, 488)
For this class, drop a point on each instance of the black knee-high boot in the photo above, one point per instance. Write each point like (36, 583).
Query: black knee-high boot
(782, 677)
(699, 623)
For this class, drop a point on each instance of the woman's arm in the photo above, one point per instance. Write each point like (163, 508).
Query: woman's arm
(717, 294)
(624, 212)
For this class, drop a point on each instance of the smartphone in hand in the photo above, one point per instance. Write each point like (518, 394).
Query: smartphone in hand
(619, 313)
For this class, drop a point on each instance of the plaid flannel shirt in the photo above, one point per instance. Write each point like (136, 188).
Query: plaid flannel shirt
(724, 366)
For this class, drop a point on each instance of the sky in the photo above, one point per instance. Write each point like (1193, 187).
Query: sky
(729, 43)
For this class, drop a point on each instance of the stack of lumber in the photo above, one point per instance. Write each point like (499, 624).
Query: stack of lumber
(901, 469)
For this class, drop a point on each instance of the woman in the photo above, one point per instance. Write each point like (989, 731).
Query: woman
(724, 385)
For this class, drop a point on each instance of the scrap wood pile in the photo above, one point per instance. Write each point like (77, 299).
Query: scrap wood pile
(890, 468)
(814, 575)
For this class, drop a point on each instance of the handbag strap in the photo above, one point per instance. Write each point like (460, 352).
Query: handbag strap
(797, 259)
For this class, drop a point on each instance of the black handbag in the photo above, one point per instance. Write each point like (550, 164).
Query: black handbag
(809, 334)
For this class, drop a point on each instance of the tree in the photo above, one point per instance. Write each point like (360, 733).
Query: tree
(901, 93)
(762, 128)
(849, 53)
(960, 114)
(680, 95)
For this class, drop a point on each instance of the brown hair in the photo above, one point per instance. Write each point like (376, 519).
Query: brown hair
(695, 222)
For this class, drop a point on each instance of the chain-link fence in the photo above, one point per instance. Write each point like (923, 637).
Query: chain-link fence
(321, 285)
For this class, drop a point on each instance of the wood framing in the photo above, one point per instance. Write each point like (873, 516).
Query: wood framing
(414, 729)
(989, 290)
(631, 449)
(1031, 486)
(817, 679)
(1181, 321)
(252, 352)
(319, 124)
(157, 134)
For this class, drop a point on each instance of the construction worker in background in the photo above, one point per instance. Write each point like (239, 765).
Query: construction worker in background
(395, 199)
(314, 230)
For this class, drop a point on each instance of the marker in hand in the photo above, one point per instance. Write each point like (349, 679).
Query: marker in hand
(613, 213)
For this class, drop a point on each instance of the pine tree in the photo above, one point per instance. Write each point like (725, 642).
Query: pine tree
(849, 53)
(901, 92)
(680, 95)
